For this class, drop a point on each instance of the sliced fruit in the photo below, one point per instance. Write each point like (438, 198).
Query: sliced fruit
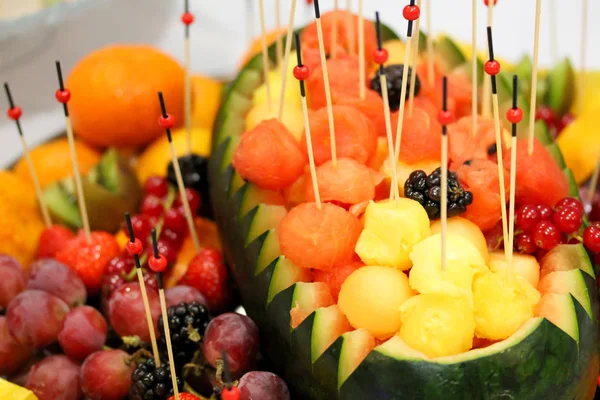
(11, 391)
(523, 265)
(371, 298)
(307, 298)
(357, 344)
(565, 258)
(371, 106)
(580, 146)
(572, 282)
(403, 170)
(468, 230)
(328, 325)
(560, 310)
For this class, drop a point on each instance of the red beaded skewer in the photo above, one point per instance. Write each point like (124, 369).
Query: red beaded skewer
(411, 13)
(301, 72)
(187, 18)
(380, 55)
(492, 68)
(167, 122)
(474, 62)
(229, 392)
(534, 77)
(361, 52)
(14, 112)
(134, 247)
(158, 263)
(63, 96)
(413, 64)
(286, 58)
(445, 117)
(486, 93)
(514, 116)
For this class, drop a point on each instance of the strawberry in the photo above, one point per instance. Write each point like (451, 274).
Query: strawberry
(207, 273)
(89, 260)
(52, 240)
(185, 396)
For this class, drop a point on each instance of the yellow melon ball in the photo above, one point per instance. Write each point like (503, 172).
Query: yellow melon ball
(463, 261)
(396, 49)
(524, 265)
(292, 118)
(392, 228)
(466, 229)
(437, 325)
(371, 298)
(502, 305)
(292, 88)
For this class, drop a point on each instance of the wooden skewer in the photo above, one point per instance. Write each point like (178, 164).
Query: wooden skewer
(444, 169)
(63, 95)
(334, 31)
(553, 25)
(486, 92)
(309, 147)
(326, 83)
(350, 28)
(361, 52)
(394, 191)
(475, 81)
(14, 113)
(187, 20)
(158, 264)
(279, 43)
(409, 39)
(534, 77)
(498, 130)
(413, 65)
(265, 54)
(515, 115)
(286, 59)
(584, 39)
(140, 276)
(430, 73)
(167, 122)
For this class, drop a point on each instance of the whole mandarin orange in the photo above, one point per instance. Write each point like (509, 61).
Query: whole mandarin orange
(114, 95)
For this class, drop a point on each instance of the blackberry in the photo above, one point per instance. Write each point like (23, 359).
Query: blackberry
(428, 192)
(393, 74)
(151, 383)
(194, 171)
(187, 323)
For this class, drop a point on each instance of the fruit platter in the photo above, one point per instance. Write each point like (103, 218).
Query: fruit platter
(359, 214)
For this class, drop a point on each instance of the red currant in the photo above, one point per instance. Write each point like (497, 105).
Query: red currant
(569, 202)
(380, 56)
(591, 238)
(152, 206)
(567, 219)
(546, 114)
(193, 198)
(527, 217)
(445, 117)
(565, 121)
(173, 238)
(514, 115)
(411, 13)
(545, 212)
(525, 243)
(141, 226)
(156, 186)
(175, 220)
(301, 72)
(14, 113)
(492, 67)
(546, 235)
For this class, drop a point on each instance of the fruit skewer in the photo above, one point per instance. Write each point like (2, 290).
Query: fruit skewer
(474, 81)
(430, 73)
(334, 33)
(486, 94)
(381, 57)
(14, 113)
(135, 248)
(301, 72)
(167, 122)
(326, 83)
(158, 263)
(286, 58)
(514, 116)
(413, 65)
(230, 392)
(411, 12)
(187, 18)
(361, 51)
(492, 68)
(445, 117)
(265, 54)
(63, 95)
(534, 77)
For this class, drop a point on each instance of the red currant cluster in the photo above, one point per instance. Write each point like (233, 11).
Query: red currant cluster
(553, 123)
(542, 227)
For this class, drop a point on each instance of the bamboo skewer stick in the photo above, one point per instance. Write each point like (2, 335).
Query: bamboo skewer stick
(430, 70)
(187, 19)
(444, 172)
(486, 93)
(334, 31)
(534, 78)
(475, 80)
(584, 40)
(514, 115)
(413, 69)
(361, 51)
(286, 59)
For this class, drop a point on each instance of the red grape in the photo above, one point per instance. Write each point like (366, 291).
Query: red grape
(263, 385)
(569, 202)
(12, 355)
(184, 294)
(591, 238)
(567, 219)
(56, 278)
(106, 375)
(12, 279)
(527, 217)
(127, 313)
(175, 220)
(157, 186)
(35, 318)
(55, 378)
(546, 235)
(152, 206)
(526, 244)
(83, 332)
(235, 334)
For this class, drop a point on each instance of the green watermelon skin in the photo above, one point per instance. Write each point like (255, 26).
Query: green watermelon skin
(545, 363)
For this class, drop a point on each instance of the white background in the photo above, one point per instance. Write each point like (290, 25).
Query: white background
(220, 37)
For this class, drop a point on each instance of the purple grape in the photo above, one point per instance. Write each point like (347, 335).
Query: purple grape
(263, 385)
(55, 378)
(12, 354)
(106, 375)
(184, 294)
(12, 279)
(83, 332)
(54, 277)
